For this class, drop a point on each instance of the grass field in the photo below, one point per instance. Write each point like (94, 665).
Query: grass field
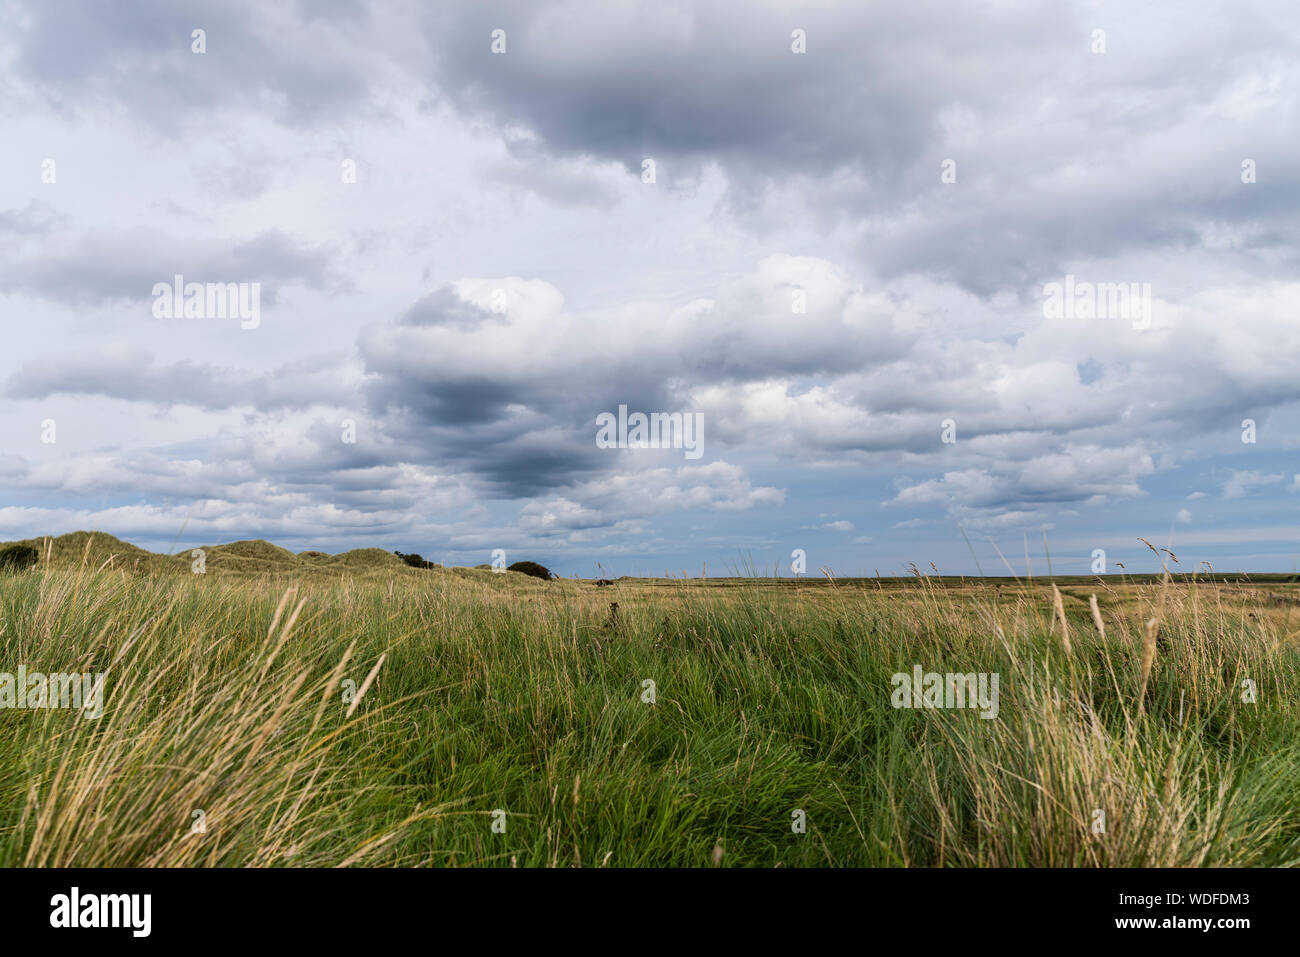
(231, 734)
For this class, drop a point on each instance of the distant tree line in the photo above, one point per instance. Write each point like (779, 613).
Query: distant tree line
(528, 568)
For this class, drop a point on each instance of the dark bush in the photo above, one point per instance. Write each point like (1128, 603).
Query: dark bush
(18, 557)
(414, 560)
(532, 568)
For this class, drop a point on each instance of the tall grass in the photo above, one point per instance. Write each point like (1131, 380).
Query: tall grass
(377, 720)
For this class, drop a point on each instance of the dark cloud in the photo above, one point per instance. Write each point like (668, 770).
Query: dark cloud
(706, 81)
(1048, 169)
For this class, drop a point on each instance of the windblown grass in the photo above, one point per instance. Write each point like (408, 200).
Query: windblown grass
(477, 692)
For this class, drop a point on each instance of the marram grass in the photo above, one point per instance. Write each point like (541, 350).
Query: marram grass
(379, 716)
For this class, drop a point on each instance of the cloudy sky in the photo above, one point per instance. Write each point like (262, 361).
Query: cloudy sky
(467, 244)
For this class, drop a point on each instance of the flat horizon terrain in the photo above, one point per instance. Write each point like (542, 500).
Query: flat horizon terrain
(318, 710)
(256, 556)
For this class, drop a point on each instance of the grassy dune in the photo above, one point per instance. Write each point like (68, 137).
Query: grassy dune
(228, 694)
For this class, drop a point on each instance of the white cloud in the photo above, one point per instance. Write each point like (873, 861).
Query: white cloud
(1242, 482)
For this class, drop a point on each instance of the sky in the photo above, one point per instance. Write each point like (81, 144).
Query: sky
(970, 284)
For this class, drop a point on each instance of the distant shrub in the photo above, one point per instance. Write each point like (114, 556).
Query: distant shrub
(414, 560)
(532, 568)
(18, 557)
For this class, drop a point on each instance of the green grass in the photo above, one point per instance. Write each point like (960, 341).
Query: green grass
(226, 695)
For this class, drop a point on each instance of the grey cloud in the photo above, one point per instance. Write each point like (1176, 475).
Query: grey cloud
(36, 219)
(132, 375)
(509, 401)
(555, 182)
(708, 80)
(105, 266)
(516, 398)
(138, 55)
(443, 307)
(1048, 170)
